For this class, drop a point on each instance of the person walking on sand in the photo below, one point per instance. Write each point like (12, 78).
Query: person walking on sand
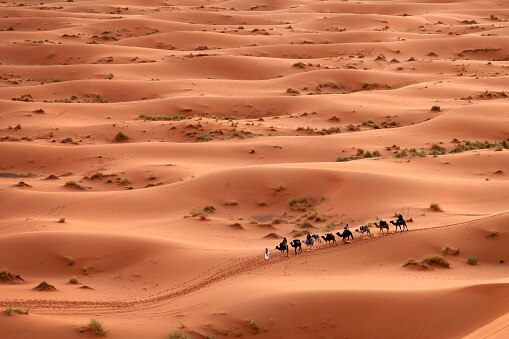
(266, 254)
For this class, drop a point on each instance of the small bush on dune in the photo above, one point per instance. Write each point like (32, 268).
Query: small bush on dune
(231, 203)
(253, 325)
(121, 137)
(435, 259)
(177, 335)
(300, 204)
(8, 276)
(472, 260)
(10, 311)
(493, 234)
(204, 212)
(435, 207)
(292, 91)
(449, 250)
(73, 280)
(75, 185)
(70, 260)
(96, 327)
(61, 220)
(428, 262)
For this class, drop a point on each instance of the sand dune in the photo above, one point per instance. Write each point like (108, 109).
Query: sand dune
(150, 151)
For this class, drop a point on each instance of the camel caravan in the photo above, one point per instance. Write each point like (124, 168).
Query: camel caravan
(311, 239)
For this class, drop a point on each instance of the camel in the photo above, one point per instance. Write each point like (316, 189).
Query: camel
(383, 224)
(282, 248)
(329, 237)
(400, 223)
(296, 244)
(346, 234)
(316, 237)
(363, 229)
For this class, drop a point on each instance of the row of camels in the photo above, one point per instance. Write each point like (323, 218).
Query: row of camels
(345, 235)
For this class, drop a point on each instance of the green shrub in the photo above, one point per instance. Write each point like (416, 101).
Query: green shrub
(205, 137)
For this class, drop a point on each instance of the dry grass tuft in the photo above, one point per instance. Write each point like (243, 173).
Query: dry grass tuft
(10, 311)
(74, 185)
(44, 287)
(73, 280)
(435, 207)
(473, 260)
(300, 204)
(204, 212)
(449, 250)
(428, 262)
(9, 277)
(273, 236)
(493, 234)
(435, 260)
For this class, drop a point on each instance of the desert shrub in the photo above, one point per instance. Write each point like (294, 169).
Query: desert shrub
(121, 137)
(330, 226)
(300, 204)
(449, 250)
(472, 260)
(345, 159)
(204, 137)
(231, 203)
(203, 212)
(298, 233)
(67, 140)
(163, 118)
(306, 224)
(96, 327)
(70, 260)
(8, 276)
(493, 234)
(276, 221)
(10, 311)
(74, 184)
(437, 150)
(177, 335)
(435, 259)
(61, 220)
(292, 91)
(237, 225)
(97, 175)
(73, 280)
(253, 325)
(435, 108)
(376, 154)
(400, 154)
(435, 207)
(262, 204)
